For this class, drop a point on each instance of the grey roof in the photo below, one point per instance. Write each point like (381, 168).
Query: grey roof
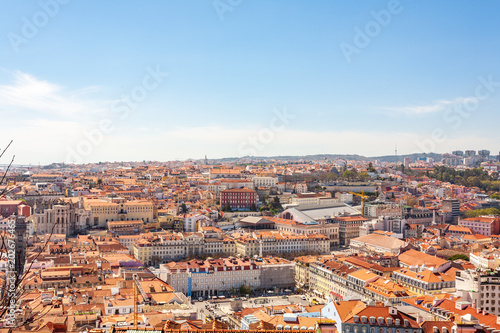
(331, 211)
(312, 215)
(255, 220)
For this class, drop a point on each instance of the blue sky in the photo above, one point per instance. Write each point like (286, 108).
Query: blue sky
(424, 77)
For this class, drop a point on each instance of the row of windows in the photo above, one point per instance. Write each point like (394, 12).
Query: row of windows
(364, 329)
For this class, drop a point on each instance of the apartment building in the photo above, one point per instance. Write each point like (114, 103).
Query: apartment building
(349, 227)
(265, 181)
(238, 198)
(264, 242)
(102, 211)
(485, 259)
(424, 282)
(485, 225)
(302, 268)
(327, 227)
(304, 200)
(215, 173)
(341, 281)
(329, 278)
(122, 228)
(414, 258)
(353, 317)
(480, 288)
(216, 277)
(167, 246)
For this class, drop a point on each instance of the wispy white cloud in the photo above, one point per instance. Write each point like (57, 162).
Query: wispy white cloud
(436, 106)
(28, 93)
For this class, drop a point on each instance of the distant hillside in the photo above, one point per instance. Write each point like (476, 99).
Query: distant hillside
(331, 157)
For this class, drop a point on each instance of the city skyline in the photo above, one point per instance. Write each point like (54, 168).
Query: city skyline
(177, 80)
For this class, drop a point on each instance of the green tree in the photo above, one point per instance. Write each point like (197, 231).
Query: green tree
(371, 168)
(245, 289)
(364, 176)
(183, 209)
(458, 256)
(480, 212)
(495, 196)
(347, 175)
(276, 204)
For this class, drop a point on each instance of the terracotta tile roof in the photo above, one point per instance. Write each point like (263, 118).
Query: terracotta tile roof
(414, 257)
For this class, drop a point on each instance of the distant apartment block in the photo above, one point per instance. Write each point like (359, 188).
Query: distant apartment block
(265, 181)
(122, 228)
(484, 225)
(238, 199)
(216, 277)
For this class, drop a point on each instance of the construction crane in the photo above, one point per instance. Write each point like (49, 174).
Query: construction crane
(363, 197)
(190, 279)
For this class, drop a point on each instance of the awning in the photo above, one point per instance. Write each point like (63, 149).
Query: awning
(336, 295)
